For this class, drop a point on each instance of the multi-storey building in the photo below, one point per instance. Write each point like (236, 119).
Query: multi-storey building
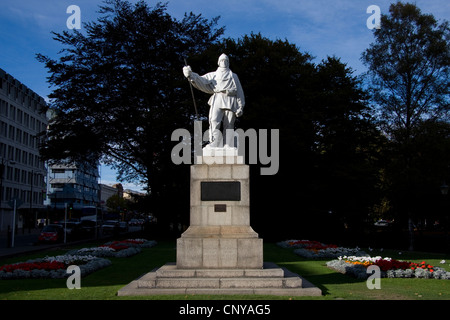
(22, 173)
(75, 186)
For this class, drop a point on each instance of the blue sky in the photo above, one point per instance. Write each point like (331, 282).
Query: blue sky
(319, 27)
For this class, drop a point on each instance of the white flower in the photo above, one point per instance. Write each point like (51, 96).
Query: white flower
(442, 261)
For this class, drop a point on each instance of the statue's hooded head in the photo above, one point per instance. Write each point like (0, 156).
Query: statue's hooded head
(224, 62)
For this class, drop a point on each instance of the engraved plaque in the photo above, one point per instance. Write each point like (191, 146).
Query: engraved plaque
(221, 191)
(220, 208)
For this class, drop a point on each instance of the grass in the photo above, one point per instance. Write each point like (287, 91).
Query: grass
(104, 284)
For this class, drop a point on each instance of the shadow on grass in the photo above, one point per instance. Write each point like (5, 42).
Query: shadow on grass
(121, 272)
(313, 270)
(104, 283)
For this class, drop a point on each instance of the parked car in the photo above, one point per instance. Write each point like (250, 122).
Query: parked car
(72, 229)
(382, 223)
(123, 226)
(134, 222)
(87, 227)
(51, 233)
(110, 227)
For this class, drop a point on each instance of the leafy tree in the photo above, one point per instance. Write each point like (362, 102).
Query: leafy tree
(409, 67)
(119, 90)
(115, 202)
(348, 152)
(327, 139)
(409, 71)
(418, 196)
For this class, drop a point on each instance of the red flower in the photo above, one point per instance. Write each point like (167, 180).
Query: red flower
(28, 266)
(386, 265)
(421, 265)
(116, 245)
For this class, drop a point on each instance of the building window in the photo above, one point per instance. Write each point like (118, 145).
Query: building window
(25, 138)
(19, 116)
(3, 129)
(11, 153)
(26, 120)
(11, 132)
(12, 112)
(3, 150)
(19, 135)
(4, 108)
(9, 173)
(24, 177)
(16, 175)
(17, 157)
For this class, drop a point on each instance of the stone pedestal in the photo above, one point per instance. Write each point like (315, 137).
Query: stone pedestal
(270, 280)
(220, 235)
(220, 253)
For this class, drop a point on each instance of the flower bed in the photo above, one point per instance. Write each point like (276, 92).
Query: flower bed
(117, 249)
(88, 259)
(390, 268)
(317, 250)
(52, 267)
(141, 243)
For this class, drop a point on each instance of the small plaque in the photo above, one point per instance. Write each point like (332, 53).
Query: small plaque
(220, 208)
(220, 191)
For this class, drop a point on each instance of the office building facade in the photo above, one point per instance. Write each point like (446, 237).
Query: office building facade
(75, 186)
(22, 172)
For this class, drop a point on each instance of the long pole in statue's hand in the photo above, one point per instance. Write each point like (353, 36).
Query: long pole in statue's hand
(192, 92)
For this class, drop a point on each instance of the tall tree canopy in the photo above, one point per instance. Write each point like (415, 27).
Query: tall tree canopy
(409, 71)
(409, 67)
(119, 91)
(328, 142)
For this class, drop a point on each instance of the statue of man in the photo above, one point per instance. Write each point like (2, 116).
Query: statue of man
(226, 103)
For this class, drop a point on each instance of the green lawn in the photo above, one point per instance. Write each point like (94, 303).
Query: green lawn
(104, 284)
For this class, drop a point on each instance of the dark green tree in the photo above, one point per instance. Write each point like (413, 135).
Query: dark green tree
(409, 72)
(119, 91)
(409, 69)
(328, 143)
(348, 154)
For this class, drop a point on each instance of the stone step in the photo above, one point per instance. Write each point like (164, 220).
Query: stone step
(194, 282)
(169, 276)
(171, 271)
(152, 281)
(132, 290)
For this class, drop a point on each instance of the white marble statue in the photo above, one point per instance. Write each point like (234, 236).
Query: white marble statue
(226, 103)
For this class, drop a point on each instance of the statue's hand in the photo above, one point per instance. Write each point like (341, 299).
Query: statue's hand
(239, 112)
(187, 71)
